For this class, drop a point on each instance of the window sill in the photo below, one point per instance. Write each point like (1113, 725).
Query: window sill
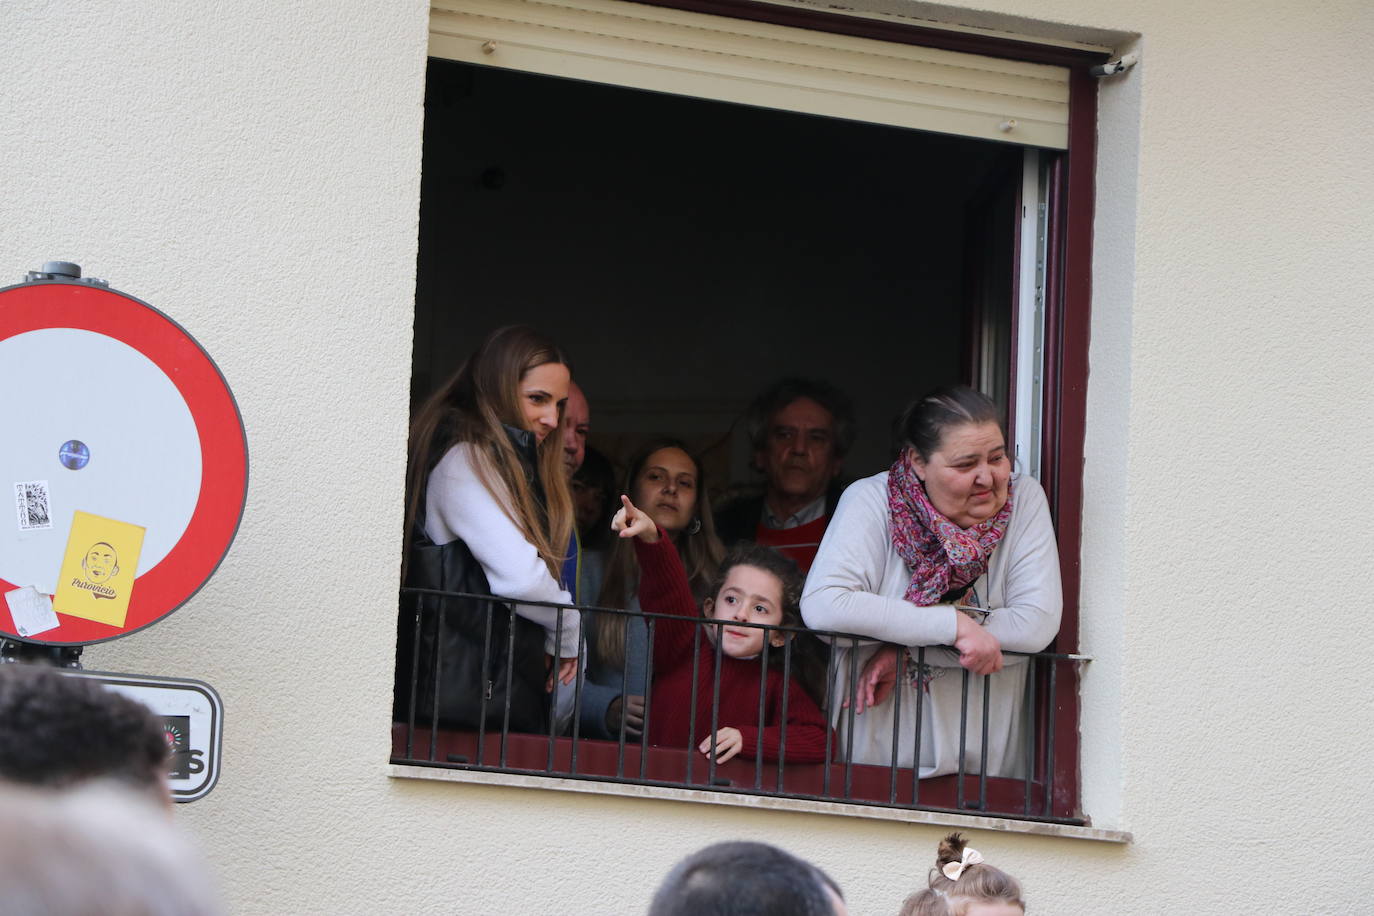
(761, 802)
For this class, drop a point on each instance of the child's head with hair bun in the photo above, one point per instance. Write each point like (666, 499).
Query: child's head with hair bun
(962, 884)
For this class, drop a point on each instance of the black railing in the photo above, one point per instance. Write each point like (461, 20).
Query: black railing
(426, 734)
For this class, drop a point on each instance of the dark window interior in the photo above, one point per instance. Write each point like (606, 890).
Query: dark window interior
(686, 253)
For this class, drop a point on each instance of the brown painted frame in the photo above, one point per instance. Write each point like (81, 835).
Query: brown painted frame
(887, 30)
(1068, 300)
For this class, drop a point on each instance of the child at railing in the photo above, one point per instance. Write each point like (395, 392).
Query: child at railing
(755, 585)
(962, 884)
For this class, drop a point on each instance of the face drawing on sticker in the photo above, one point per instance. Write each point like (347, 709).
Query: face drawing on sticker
(100, 563)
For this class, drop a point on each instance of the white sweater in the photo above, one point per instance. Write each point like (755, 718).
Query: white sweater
(857, 583)
(858, 579)
(459, 505)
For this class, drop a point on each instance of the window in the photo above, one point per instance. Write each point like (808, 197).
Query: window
(639, 227)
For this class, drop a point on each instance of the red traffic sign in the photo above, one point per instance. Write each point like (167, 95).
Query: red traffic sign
(110, 408)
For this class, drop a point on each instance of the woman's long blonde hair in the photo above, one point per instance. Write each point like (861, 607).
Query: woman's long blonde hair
(473, 407)
(701, 552)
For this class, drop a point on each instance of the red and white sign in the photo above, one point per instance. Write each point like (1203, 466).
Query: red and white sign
(109, 407)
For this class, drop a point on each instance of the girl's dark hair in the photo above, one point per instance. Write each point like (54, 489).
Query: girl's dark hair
(927, 419)
(978, 884)
(809, 654)
(770, 561)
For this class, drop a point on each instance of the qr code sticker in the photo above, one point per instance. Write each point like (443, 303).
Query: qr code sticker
(31, 502)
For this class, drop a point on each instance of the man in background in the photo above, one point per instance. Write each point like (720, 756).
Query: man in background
(799, 430)
(577, 424)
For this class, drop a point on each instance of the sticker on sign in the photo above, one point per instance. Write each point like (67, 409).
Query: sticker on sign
(192, 721)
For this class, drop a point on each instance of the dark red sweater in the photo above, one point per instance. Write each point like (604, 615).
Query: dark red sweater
(663, 589)
(799, 543)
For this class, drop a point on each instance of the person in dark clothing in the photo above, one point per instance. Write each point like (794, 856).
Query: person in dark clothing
(746, 879)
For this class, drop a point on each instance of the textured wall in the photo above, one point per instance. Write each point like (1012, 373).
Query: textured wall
(252, 169)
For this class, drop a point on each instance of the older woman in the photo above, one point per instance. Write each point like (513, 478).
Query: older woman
(948, 527)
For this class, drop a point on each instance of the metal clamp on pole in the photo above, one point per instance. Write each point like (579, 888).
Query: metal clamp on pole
(61, 270)
(1113, 67)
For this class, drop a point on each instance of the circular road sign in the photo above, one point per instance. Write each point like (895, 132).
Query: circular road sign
(109, 408)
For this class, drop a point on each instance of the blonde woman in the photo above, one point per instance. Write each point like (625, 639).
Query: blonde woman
(489, 506)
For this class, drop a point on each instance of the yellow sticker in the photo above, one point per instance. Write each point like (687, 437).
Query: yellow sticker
(98, 569)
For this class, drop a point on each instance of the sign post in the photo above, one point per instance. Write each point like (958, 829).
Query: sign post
(126, 463)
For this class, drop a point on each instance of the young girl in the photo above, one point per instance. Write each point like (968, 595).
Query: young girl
(754, 586)
(486, 469)
(962, 884)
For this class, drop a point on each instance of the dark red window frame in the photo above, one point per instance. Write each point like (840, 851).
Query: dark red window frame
(1068, 299)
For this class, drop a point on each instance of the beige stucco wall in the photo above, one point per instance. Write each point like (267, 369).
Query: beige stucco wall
(252, 169)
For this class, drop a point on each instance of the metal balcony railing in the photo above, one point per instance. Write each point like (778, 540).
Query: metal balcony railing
(422, 737)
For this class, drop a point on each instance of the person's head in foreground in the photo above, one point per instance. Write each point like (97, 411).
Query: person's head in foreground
(746, 879)
(962, 884)
(59, 730)
(98, 850)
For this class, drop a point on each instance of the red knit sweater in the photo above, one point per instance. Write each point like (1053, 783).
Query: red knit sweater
(799, 543)
(663, 589)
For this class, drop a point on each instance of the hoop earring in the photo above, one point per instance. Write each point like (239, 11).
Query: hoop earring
(695, 526)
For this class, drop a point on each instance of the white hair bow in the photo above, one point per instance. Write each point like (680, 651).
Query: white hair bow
(953, 870)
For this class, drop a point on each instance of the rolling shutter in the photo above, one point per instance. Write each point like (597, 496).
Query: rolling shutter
(713, 57)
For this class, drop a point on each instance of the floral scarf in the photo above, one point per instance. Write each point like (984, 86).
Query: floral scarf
(941, 555)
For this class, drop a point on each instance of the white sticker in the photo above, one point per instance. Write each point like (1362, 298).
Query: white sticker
(31, 610)
(32, 505)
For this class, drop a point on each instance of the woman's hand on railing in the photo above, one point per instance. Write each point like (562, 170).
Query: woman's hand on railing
(979, 650)
(565, 669)
(729, 742)
(629, 711)
(630, 522)
(875, 684)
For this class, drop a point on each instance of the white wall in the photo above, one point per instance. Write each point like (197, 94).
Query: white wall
(252, 169)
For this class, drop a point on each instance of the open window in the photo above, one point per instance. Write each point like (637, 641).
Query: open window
(686, 251)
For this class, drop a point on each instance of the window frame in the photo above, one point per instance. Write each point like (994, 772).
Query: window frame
(1068, 301)
(1068, 289)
